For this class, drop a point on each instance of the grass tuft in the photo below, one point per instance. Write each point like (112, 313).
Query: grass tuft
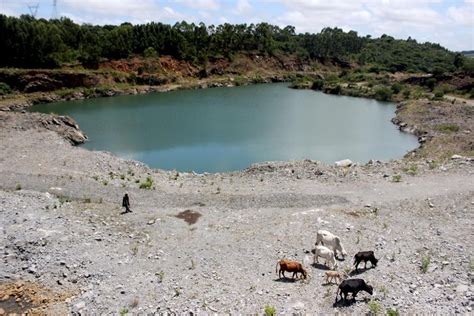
(374, 307)
(425, 263)
(147, 184)
(269, 310)
(396, 178)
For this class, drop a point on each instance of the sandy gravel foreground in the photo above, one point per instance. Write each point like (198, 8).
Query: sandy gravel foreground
(65, 247)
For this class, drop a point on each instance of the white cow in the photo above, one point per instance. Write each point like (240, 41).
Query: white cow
(325, 253)
(331, 241)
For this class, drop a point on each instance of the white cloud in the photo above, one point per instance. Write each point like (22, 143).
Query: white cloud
(463, 15)
(200, 4)
(223, 20)
(204, 14)
(13, 8)
(114, 12)
(243, 6)
(399, 18)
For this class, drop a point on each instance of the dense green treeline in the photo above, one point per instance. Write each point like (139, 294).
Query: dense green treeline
(34, 43)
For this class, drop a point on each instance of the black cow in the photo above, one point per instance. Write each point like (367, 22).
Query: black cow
(365, 256)
(353, 286)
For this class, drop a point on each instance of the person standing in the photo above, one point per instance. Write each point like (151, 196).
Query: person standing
(126, 203)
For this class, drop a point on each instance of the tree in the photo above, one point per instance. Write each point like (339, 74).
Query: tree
(150, 52)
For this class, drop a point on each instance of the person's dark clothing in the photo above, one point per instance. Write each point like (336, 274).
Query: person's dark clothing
(126, 203)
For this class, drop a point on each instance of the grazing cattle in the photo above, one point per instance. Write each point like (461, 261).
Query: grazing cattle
(331, 275)
(290, 266)
(353, 286)
(326, 253)
(331, 241)
(365, 256)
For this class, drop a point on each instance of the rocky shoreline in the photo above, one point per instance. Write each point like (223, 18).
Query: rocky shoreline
(27, 100)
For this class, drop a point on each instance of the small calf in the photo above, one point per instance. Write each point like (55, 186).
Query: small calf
(290, 266)
(338, 275)
(327, 254)
(365, 256)
(353, 286)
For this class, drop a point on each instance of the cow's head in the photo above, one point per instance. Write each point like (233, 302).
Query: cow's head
(370, 289)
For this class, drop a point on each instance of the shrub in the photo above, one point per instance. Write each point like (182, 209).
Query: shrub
(5, 89)
(374, 307)
(425, 263)
(406, 93)
(396, 87)
(147, 184)
(439, 71)
(18, 187)
(383, 94)
(160, 275)
(438, 95)
(447, 128)
(150, 52)
(392, 312)
(123, 311)
(397, 178)
(431, 83)
(374, 69)
(318, 84)
(270, 310)
(412, 170)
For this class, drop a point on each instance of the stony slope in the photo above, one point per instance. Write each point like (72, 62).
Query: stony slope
(62, 230)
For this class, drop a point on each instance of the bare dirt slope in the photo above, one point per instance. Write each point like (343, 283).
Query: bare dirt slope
(62, 229)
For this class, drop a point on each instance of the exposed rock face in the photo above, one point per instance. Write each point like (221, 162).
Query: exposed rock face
(40, 82)
(43, 81)
(63, 125)
(66, 127)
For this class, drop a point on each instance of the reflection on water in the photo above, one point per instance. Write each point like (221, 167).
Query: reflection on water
(224, 129)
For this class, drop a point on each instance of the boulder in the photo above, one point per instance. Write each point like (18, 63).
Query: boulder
(344, 163)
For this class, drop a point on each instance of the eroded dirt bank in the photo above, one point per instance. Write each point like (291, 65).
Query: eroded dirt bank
(62, 229)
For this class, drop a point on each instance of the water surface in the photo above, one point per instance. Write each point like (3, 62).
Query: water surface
(224, 129)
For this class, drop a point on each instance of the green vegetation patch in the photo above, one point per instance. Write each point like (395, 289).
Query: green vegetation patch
(5, 89)
(425, 263)
(147, 184)
(269, 310)
(383, 94)
(447, 128)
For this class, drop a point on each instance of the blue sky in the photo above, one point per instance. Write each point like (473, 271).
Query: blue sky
(448, 22)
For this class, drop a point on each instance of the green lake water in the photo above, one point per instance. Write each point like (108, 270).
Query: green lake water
(226, 129)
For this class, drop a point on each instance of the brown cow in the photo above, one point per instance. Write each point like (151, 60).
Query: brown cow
(290, 266)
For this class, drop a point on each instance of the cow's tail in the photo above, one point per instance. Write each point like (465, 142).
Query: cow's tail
(276, 268)
(338, 292)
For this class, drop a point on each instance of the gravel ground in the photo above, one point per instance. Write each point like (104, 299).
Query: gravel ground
(63, 235)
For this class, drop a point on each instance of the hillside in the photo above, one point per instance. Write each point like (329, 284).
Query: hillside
(41, 43)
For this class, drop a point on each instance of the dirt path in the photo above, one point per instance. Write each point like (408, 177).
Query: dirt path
(61, 228)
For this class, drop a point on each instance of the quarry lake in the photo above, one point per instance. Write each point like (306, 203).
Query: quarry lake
(226, 129)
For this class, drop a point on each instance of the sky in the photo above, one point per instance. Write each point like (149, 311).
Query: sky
(448, 22)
